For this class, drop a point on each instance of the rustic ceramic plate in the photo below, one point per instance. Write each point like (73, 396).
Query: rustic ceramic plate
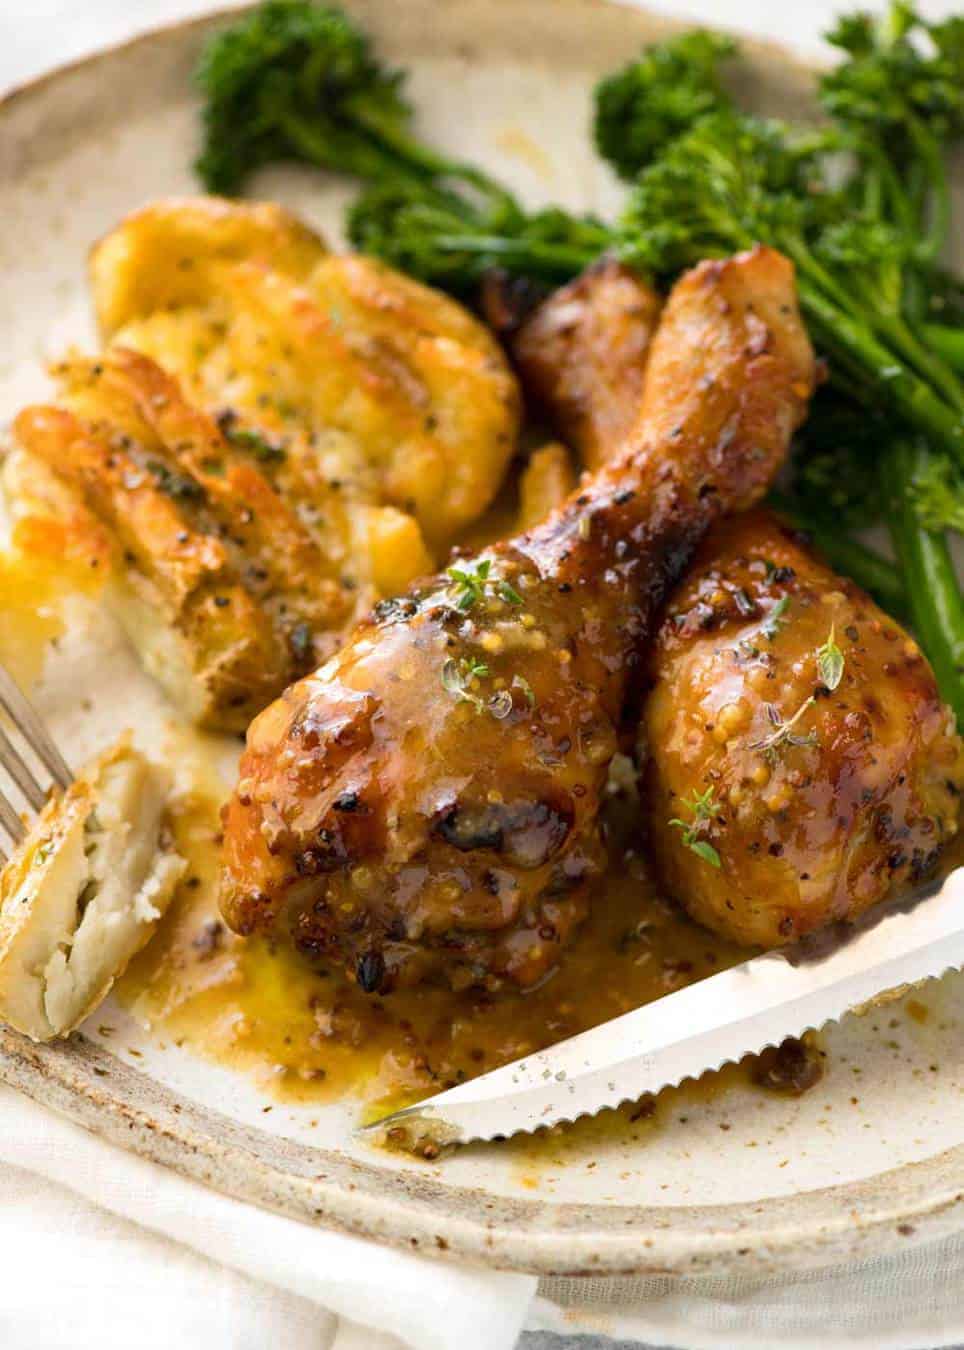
(871, 1159)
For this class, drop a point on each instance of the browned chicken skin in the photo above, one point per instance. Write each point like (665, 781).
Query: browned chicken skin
(857, 796)
(820, 799)
(582, 354)
(426, 805)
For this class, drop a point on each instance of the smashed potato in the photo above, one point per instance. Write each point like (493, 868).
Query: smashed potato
(222, 588)
(399, 394)
(274, 438)
(83, 892)
(161, 256)
(545, 483)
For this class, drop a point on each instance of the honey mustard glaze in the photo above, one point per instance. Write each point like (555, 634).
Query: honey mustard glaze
(44, 566)
(311, 1035)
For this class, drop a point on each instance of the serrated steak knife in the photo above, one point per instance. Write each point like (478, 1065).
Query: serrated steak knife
(706, 1025)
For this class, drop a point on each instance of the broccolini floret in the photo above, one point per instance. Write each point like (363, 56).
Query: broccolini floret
(644, 106)
(297, 80)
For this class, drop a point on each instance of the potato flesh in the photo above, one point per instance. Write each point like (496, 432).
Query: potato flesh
(83, 893)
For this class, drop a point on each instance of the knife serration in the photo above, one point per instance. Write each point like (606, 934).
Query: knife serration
(717, 1021)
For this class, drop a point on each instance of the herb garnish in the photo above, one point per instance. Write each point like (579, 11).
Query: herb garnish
(500, 704)
(180, 486)
(703, 809)
(470, 584)
(776, 619)
(243, 438)
(830, 662)
(507, 592)
(784, 733)
(457, 677)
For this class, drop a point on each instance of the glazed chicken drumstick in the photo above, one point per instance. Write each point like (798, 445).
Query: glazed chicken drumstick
(796, 731)
(426, 804)
(776, 802)
(581, 354)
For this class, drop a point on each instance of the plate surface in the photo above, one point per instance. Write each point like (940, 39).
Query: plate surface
(872, 1158)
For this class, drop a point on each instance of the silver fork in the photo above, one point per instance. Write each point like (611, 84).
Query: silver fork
(30, 729)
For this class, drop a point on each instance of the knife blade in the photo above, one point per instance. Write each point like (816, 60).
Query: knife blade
(721, 1019)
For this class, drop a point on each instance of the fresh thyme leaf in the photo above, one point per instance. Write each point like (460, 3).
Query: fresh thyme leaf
(500, 704)
(508, 593)
(776, 619)
(469, 583)
(703, 808)
(784, 733)
(830, 662)
(451, 679)
(457, 677)
(704, 850)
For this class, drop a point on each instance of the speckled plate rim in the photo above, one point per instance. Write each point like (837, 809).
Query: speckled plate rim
(411, 1208)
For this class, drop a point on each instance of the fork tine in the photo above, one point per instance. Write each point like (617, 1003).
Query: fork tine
(14, 702)
(10, 821)
(20, 772)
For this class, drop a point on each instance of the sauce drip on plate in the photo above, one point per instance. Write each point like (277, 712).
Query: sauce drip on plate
(312, 1035)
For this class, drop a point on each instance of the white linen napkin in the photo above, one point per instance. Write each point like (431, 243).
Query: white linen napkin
(315, 1288)
(100, 1247)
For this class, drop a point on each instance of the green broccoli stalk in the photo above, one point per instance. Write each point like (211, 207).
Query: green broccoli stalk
(453, 244)
(900, 99)
(296, 80)
(732, 181)
(930, 581)
(943, 325)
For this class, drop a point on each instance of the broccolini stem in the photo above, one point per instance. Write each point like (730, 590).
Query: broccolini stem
(948, 342)
(427, 163)
(554, 262)
(892, 327)
(939, 205)
(367, 161)
(909, 394)
(882, 182)
(936, 605)
(927, 362)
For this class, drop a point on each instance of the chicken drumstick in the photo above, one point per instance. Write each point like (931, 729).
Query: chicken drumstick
(798, 761)
(426, 804)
